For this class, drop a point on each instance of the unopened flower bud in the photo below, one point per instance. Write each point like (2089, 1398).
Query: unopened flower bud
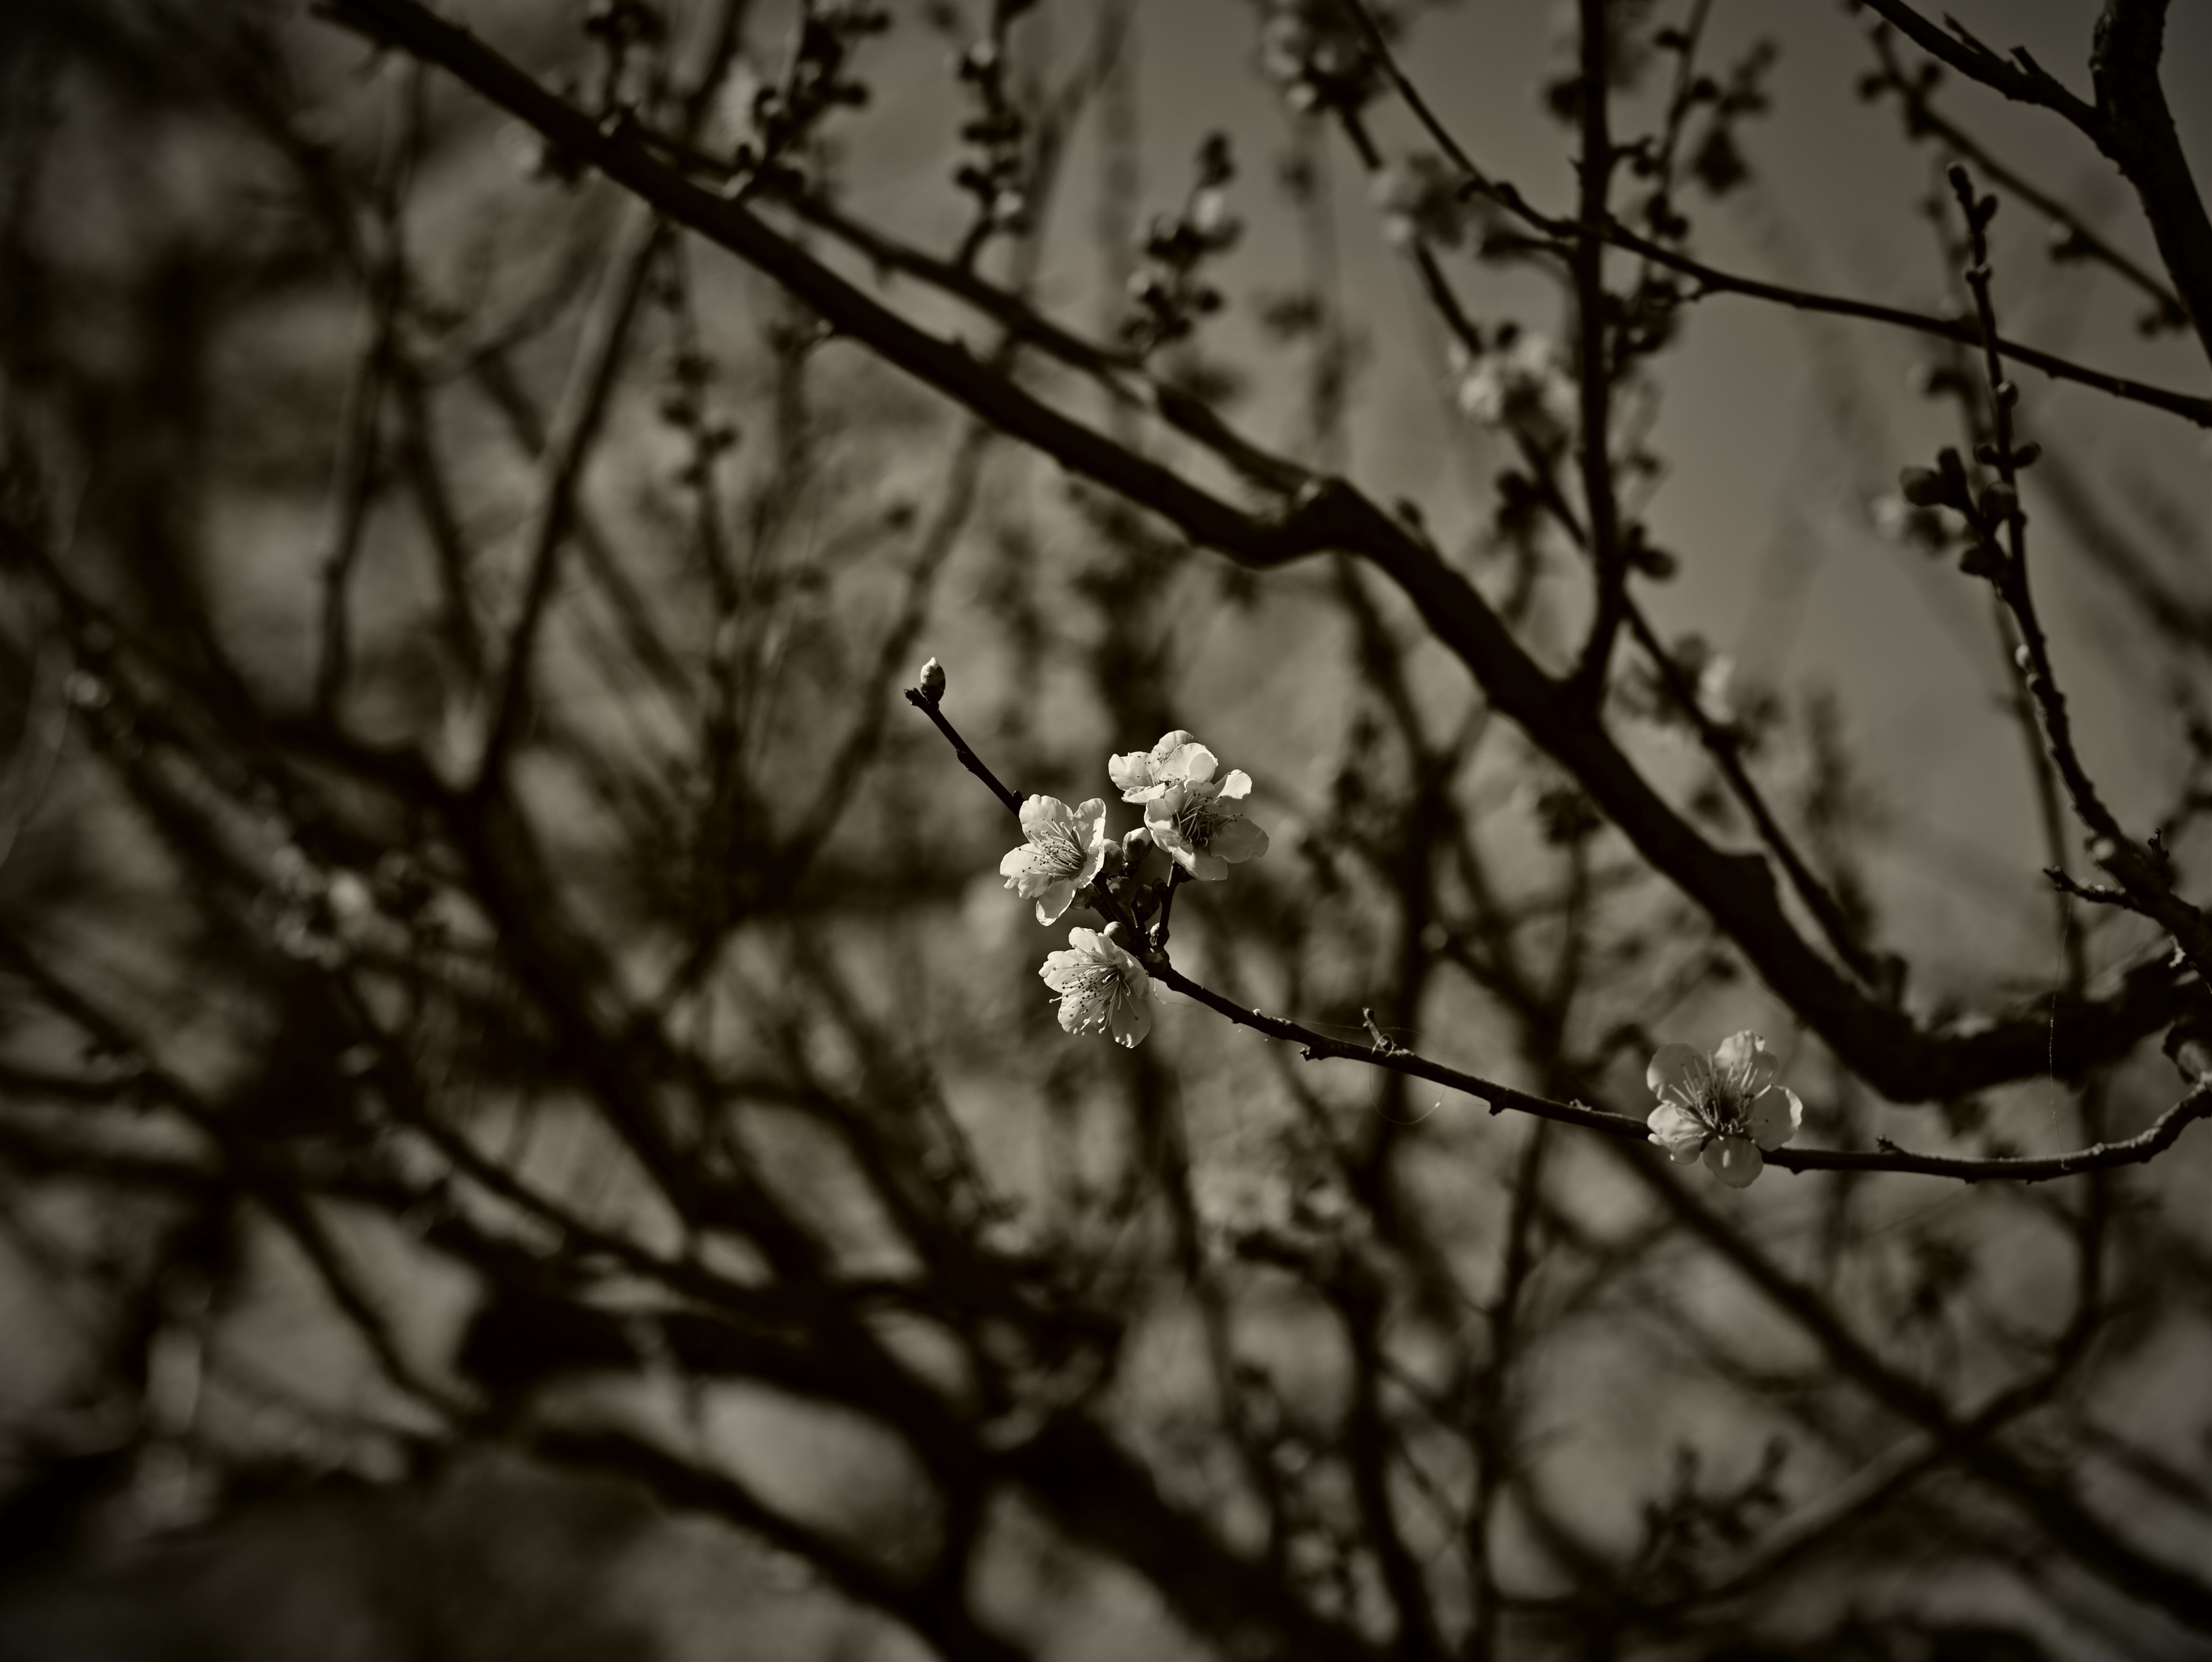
(933, 680)
(1923, 487)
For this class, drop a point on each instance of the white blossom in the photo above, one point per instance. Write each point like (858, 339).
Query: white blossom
(1198, 819)
(1102, 988)
(1064, 849)
(1724, 1108)
(1421, 202)
(1524, 385)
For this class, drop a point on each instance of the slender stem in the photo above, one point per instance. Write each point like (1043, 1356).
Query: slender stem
(921, 701)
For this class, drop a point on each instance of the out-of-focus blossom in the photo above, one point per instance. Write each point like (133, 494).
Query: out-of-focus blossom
(1724, 1108)
(1520, 384)
(1102, 988)
(1421, 202)
(1198, 819)
(1714, 674)
(1064, 849)
(1318, 52)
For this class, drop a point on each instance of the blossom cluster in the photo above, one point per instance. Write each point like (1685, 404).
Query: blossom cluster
(1195, 818)
(1725, 1109)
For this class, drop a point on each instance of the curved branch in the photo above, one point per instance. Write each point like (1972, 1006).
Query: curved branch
(1712, 280)
(2019, 78)
(2137, 133)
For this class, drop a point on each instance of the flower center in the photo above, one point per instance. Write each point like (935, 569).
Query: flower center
(1197, 821)
(1094, 993)
(1059, 852)
(1722, 1104)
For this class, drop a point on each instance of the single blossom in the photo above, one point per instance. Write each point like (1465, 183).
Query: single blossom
(1521, 384)
(1102, 988)
(1724, 1108)
(1199, 820)
(1421, 202)
(1142, 776)
(1063, 850)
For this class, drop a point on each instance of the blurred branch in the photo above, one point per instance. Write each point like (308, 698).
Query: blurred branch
(2130, 123)
(2047, 1496)
(1922, 119)
(1594, 365)
(1563, 234)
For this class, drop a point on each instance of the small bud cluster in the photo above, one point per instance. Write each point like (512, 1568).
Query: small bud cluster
(1716, 160)
(1986, 512)
(630, 35)
(630, 39)
(995, 170)
(1319, 53)
(817, 82)
(1171, 293)
(687, 399)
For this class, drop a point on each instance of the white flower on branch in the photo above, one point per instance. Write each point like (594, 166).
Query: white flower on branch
(1102, 988)
(1724, 1108)
(1522, 385)
(1420, 202)
(1198, 819)
(1064, 851)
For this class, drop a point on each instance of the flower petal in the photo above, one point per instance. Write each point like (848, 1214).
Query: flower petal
(1238, 841)
(1775, 1116)
(1744, 1058)
(1237, 786)
(1170, 743)
(1039, 814)
(1734, 1160)
(1131, 774)
(1203, 863)
(1055, 899)
(1678, 1131)
(1678, 1072)
(1132, 1020)
(1120, 959)
(1161, 819)
(1191, 764)
(1016, 862)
